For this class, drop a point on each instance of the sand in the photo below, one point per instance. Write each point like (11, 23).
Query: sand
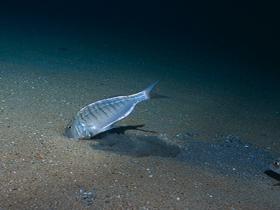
(44, 81)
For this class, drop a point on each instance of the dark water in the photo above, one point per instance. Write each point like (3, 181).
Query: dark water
(221, 32)
(225, 42)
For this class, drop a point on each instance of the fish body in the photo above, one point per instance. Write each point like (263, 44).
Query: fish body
(101, 115)
(275, 166)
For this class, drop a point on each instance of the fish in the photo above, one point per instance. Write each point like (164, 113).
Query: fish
(102, 115)
(275, 166)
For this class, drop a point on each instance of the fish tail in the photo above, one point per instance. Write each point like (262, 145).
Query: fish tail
(148, 90)
(145, 94)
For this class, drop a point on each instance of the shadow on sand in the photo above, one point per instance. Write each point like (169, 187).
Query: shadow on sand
(230, 156)
(116, 141)
(274, 176)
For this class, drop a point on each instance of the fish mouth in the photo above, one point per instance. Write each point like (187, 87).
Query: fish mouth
(68, 133)
(71, 133)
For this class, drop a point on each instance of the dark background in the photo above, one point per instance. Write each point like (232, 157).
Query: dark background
(246, 31)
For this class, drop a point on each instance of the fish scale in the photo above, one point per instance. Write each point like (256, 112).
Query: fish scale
(101, 116)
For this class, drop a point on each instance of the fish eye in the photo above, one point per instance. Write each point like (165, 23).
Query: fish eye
(276, 163)
(69, 126)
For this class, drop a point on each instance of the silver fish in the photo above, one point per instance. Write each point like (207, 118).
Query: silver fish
(275, 166)
(101, 115)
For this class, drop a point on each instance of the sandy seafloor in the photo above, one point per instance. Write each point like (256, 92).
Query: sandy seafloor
(214, 135)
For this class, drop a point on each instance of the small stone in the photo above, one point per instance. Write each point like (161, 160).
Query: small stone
(87, 197)
(39, 156)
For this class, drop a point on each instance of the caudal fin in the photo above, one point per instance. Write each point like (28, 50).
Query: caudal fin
(148, 90)
(145, 94)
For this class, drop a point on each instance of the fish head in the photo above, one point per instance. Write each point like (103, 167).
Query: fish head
(77, 130)
(72, 130)
(275, 166)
